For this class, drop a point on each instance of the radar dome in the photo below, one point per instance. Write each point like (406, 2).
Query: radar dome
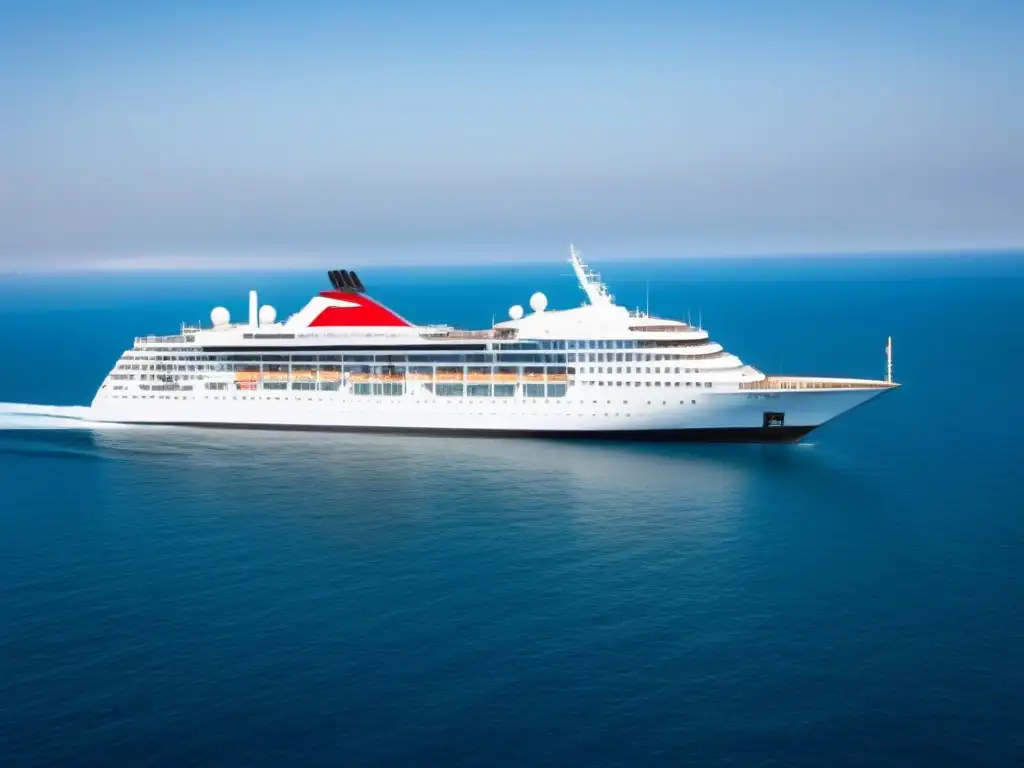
(267, 314)
(515, 312)
(538, 302)
(220, 316)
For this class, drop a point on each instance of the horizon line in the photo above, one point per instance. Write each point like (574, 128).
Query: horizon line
(279, 262)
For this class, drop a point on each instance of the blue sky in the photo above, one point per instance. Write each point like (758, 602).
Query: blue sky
(226, 132)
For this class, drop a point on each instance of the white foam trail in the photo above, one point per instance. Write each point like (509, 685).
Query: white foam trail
(31, 416)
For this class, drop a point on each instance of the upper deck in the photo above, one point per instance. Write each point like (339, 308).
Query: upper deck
(347, 315)
(599, 341)
(573, 327)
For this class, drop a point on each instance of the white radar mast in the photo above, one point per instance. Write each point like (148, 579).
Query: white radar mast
(590, 282)
(888, 362)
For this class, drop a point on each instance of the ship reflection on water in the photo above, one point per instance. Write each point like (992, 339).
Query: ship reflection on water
(383, 480)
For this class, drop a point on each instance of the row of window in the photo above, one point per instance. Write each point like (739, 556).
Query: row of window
(496, 390)
(392, 389)
(309, 386)
(380, 402)
(192, 373)
(166, 387)
(657, 370)
(306, 384)
(557, 345)
(707, 384)
(602, 344)
(169, 362)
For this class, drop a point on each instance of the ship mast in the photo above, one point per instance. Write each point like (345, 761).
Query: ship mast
(888, 362)
(590, 282)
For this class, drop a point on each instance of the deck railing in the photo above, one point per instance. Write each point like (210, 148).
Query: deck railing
(496, 333)
(783, 382)
(681, 328)
(308, 375)
(160, 339)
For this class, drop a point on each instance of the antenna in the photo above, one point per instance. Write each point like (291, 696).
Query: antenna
(888, 362)
(647, 290)
(700, 321)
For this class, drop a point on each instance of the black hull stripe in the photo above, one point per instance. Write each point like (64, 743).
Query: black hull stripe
(714, 435)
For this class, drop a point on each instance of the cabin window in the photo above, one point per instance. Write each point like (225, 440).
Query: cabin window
(388, 388)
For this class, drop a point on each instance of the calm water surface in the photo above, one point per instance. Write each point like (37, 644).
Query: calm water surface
(173, 596)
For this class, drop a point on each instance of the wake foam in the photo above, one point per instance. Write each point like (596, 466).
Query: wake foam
(31, 416)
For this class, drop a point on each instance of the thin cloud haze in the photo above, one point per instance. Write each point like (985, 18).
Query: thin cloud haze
(222, 131)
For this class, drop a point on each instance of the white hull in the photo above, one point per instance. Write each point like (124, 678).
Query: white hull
(625, 413)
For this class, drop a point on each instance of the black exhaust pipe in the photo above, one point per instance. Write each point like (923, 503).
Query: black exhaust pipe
(332, 274)
(358, 283)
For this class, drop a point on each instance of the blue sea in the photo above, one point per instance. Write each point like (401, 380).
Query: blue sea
(176, 597)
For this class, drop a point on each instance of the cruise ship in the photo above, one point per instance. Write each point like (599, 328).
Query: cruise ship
(347, 362)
